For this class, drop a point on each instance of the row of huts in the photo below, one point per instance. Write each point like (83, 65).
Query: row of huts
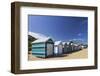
(46, 47)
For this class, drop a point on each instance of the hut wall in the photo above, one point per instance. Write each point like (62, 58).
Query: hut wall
(38, 49)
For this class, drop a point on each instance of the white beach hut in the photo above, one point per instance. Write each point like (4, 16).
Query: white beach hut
(58, 48)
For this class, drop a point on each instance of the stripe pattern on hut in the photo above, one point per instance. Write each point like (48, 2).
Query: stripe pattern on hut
(43, 47)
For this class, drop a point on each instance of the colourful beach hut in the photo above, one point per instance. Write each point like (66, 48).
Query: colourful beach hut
(43, 47)
(58, 48)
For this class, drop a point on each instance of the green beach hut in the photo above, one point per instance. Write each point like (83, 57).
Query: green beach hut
(43, 47)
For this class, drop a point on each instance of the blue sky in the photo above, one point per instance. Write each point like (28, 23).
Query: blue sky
(59, 27)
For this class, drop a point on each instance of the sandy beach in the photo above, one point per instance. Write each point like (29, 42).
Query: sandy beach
(74, 55)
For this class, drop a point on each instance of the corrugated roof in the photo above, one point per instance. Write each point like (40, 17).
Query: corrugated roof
(41, 40)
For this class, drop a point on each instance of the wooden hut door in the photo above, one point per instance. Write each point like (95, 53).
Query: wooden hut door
(49, 49)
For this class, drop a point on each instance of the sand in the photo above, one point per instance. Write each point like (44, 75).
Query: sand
(74, 55)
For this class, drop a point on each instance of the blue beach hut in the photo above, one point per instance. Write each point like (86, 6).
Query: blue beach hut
(43, 47)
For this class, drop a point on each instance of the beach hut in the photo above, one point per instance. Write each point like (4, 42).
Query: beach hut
(70, 46)
(32, 36)
(65, 47)
(43, 47)
(58, 48)
(84, 46)
(76, 47)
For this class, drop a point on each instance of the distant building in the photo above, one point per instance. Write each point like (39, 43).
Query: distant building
(58, 48)
(43, 47)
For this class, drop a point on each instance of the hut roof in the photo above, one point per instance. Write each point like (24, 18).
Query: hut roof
(36, 35)
(68, 43)
(57, 42)
(41, 40)
(64, 43)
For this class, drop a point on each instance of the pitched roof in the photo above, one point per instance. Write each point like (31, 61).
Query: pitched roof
(41, 40)
(57, 42)
(64, 43)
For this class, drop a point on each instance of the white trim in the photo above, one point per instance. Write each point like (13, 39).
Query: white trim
(25, 64)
